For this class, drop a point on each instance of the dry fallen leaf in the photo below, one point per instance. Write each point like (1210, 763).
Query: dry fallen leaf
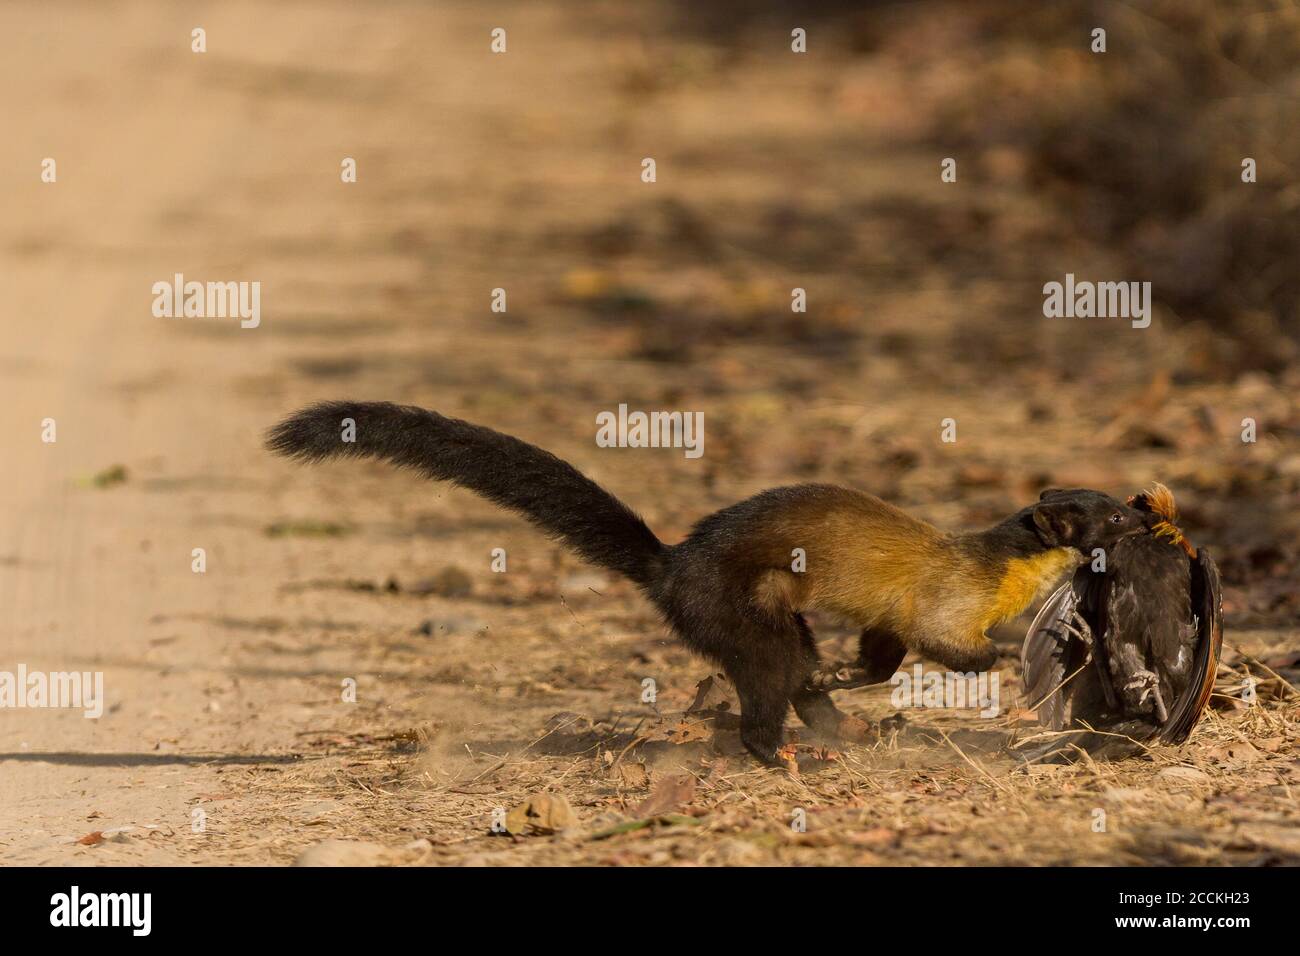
(670, 794)
(1234, 752)
(1189, 776)
(683, 732)
(633, 775)
(715, 697)
(543, 813)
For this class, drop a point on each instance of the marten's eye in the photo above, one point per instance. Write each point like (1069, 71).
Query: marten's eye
(1116, 518)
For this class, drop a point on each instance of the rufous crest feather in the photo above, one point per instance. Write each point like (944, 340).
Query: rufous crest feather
(1159, 500)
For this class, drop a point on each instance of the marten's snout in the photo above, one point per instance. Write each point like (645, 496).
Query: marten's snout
(1120, 521)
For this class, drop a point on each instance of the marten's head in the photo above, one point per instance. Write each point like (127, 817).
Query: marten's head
(1083, 519)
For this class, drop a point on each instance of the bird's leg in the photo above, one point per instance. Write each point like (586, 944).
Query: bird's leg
(1083, 632)
(1161, 711)
(1149, 684)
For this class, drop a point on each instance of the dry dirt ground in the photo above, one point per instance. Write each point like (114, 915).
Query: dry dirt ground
(477, 691)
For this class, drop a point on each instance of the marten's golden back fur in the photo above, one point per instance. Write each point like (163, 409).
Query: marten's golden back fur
(877, 566)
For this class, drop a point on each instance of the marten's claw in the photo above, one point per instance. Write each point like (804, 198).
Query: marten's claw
(841, 676)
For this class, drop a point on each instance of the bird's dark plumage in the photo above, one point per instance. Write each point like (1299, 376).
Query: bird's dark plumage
(1130, 651)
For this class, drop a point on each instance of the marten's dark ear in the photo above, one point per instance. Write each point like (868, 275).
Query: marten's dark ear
(1056, 524)
(1049, 491)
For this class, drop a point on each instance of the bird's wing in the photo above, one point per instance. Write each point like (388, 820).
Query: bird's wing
(1043, 657)
(1207, 604)
(1150, 641)
(1161, 618)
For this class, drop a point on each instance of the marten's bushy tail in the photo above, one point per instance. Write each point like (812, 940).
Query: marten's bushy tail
(550, 493)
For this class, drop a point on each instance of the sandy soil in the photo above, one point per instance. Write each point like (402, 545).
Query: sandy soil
(478, 691)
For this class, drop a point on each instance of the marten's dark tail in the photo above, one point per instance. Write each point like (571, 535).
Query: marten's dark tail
(550, 493)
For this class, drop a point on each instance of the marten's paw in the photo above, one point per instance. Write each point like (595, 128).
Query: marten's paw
(840, 676)
(782, 757)
(767, 745)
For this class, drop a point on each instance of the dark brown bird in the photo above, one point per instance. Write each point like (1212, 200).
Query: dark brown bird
(1128, 654)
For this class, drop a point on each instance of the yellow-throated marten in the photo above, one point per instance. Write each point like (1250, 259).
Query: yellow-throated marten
(728, 590)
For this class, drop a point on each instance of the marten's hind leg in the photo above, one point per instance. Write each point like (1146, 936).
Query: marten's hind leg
(815, 707)
(880, 651)
(764, 673)
(770, 659)
(763, 659)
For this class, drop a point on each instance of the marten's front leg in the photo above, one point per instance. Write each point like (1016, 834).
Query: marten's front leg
(972, 651)
(815, 707)
(879, 654)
